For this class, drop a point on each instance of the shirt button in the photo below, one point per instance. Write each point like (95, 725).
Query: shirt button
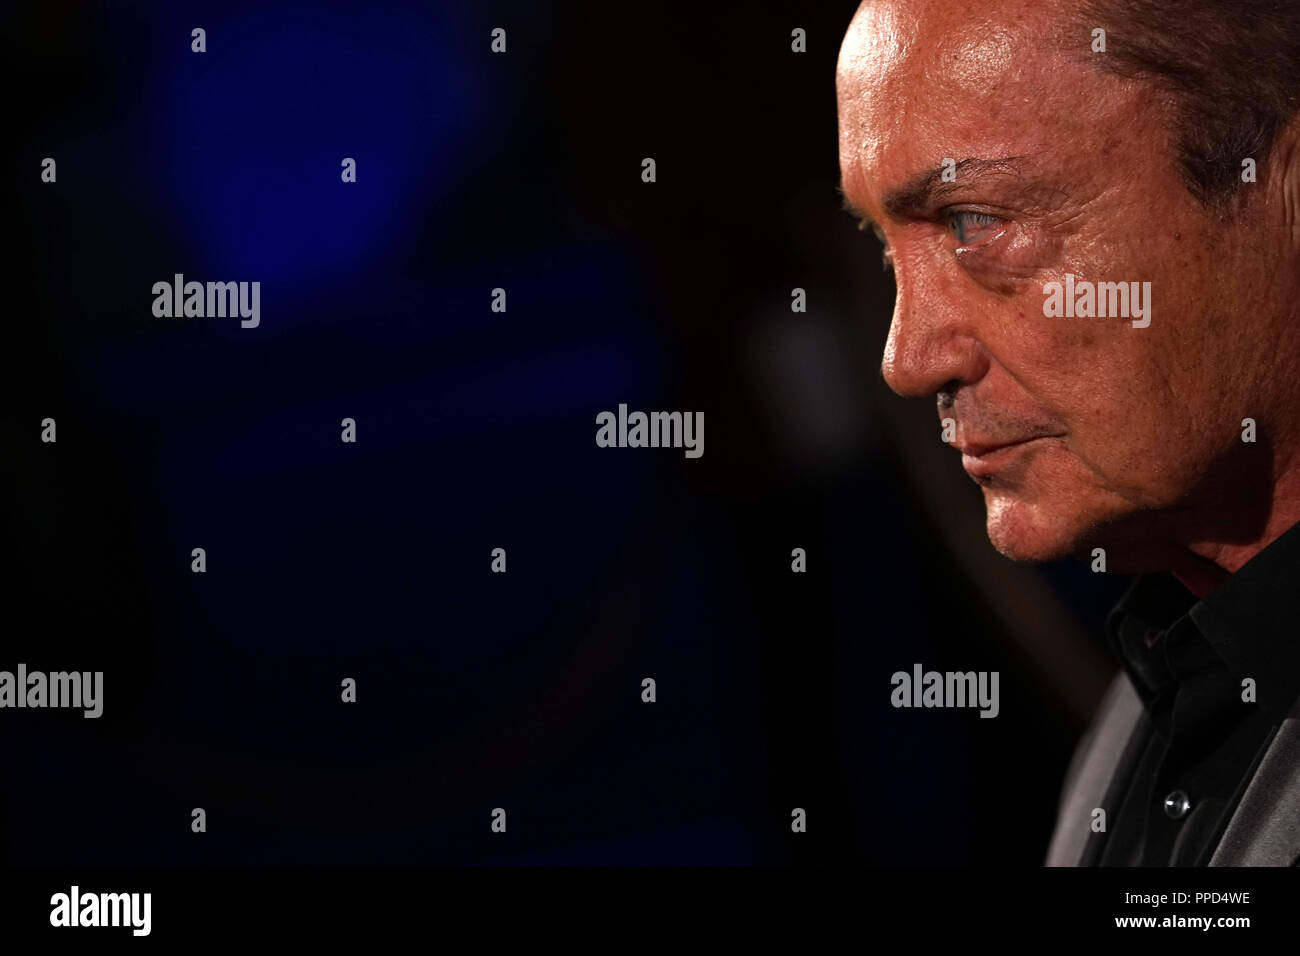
(1177, 804)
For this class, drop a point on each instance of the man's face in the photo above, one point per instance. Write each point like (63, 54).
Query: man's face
(1080, 431)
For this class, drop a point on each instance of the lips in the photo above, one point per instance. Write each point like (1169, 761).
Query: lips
(985, 457)
(974, 449)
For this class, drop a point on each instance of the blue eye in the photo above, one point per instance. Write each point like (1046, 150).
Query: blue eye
(959, 221)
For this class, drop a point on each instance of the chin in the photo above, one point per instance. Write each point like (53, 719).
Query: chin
(1025, 532)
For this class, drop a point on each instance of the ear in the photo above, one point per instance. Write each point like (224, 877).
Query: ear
(1283, 181)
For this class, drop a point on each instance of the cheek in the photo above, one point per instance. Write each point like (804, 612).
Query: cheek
(1113, 388)
(1066, 364)
(1128, 432)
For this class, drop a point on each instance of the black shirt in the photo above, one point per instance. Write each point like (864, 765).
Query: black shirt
(1217, 677)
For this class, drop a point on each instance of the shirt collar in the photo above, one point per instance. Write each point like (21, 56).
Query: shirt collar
(1151, 607)
(1251, 617)
(1249, 620)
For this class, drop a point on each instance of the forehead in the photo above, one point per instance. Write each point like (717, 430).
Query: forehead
(953, 42)
(919, 80)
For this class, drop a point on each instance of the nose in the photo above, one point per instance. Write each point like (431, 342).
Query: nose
(931, 346)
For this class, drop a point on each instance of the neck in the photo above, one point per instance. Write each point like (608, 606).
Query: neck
(1199, 575)
(1202, 565)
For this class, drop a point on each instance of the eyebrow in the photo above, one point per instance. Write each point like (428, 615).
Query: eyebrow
(920, 193)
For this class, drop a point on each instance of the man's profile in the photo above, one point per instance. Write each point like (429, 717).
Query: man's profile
(1092, 212)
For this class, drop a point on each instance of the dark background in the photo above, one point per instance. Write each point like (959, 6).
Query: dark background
(476, 430)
